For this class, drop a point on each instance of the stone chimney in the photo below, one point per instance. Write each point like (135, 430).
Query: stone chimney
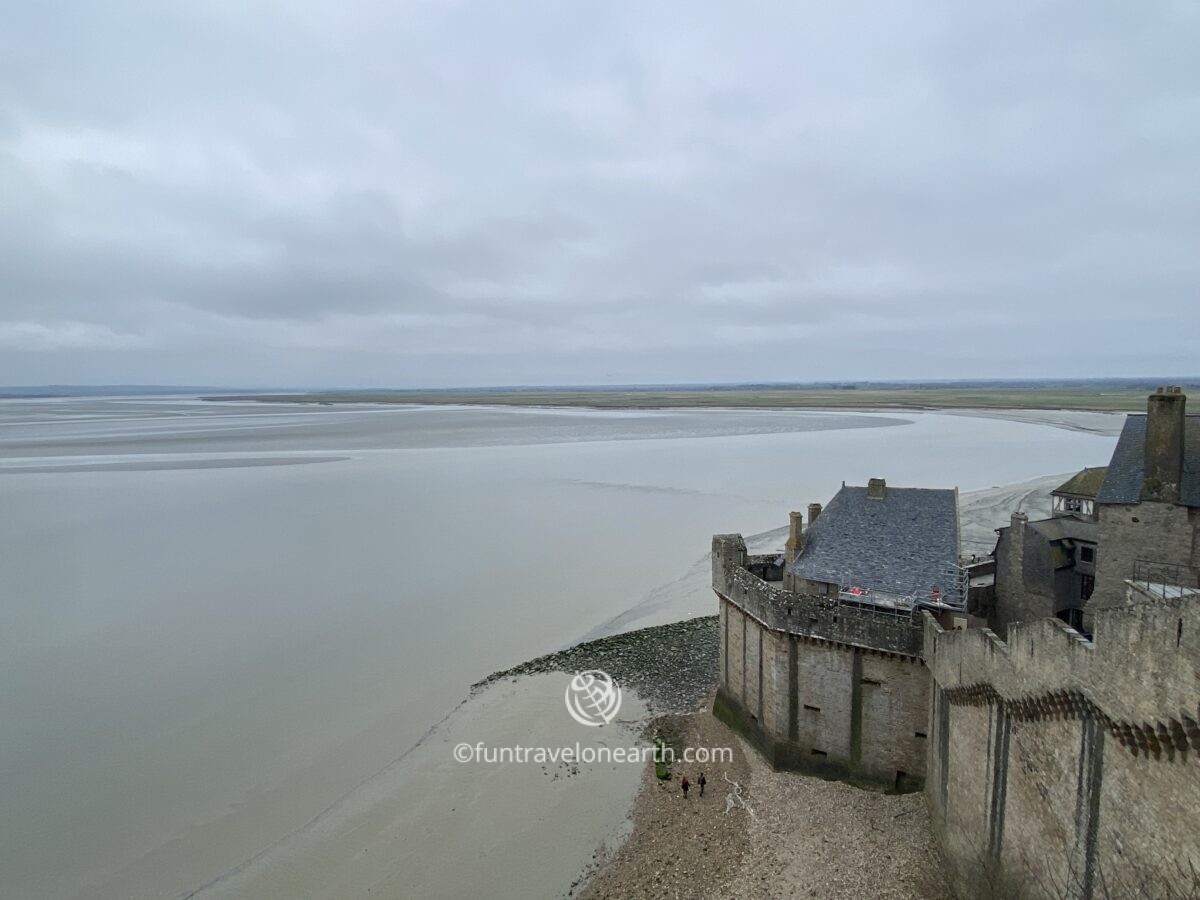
(814, 510)
(1016, 546)
(1164, 445)
(795, 541)
(876, 488)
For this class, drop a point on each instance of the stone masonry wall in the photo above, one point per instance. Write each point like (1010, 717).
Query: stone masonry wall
(895, 699)
(1159, 532)
(1060, 767)
(819, 686)
(823, 684)
(1026, 586)
(822, 707)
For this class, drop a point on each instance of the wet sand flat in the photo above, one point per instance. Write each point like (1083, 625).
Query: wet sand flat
(199, 660)
(432, 827)
(164, 465)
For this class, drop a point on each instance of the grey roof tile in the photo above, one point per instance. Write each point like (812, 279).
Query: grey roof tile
(903, 544)
(1123, 483)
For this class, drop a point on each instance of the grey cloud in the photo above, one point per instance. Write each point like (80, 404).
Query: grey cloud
(474, 193)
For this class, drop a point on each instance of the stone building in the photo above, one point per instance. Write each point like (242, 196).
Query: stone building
(1076, 497)
(1138, 515)
(1056, 762)
(1148, 508)
(1047, 567)
(819, 651)
(888, 546)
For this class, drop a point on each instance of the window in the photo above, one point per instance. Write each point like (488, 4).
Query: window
(1087, 584)
(1073, 505)
(1087, 554)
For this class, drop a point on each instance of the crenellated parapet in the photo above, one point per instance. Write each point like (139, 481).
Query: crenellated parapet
(728, 555)
(825, 618)
(806, 615)
(1138, 676)
(1063, 767)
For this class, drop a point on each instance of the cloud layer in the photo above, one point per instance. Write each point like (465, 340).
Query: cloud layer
(544, 192)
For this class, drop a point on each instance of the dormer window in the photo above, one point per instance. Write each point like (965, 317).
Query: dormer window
(1075, 505)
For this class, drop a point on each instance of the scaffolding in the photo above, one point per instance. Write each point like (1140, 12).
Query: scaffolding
(950, 593)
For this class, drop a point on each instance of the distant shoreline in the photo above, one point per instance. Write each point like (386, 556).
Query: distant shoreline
(916, 399)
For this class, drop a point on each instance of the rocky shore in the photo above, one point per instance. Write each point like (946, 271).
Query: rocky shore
(673, 668)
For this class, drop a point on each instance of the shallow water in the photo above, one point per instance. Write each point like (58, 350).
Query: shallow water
(202, 648)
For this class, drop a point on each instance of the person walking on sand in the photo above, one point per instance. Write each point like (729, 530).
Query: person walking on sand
(702, 782)
(685, 784)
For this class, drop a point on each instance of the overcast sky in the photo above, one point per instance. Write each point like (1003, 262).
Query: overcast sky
(391, 194)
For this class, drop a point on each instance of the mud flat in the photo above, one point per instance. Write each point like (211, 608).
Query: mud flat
(182, 601)
(1090, 421)
(431, 826)
(436, 827)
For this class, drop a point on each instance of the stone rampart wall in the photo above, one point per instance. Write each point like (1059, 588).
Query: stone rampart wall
(1060, 767)
(822, 707)
(817, 685)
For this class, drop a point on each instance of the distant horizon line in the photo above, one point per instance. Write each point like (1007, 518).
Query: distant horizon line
(66, 390)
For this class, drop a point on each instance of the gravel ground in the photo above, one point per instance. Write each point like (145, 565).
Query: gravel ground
(817, 838)
(794, 836)
(682, 848)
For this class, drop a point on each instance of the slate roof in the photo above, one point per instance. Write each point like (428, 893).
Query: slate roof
(1064, 528)
(1123, 482)
(1084, 483)
(903, 544)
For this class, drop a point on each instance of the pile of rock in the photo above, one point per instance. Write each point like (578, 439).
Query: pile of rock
(672, 668)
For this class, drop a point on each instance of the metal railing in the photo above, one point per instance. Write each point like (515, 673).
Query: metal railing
(1166, 580)
(950, 593)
